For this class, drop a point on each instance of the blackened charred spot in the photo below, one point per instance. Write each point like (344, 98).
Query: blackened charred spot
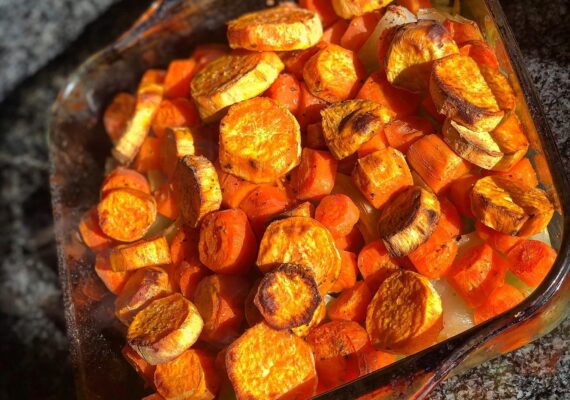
(228, 166)
(361, 122)
(252, 163)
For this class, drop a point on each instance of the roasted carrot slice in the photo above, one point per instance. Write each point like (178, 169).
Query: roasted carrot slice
(333, 74)
(405, 315)
(220, 300)
(118, 114)
(189, 275)
(378, 142)
(281, 28)
(261, 204)
(143, 286)
(260, 140)
(435, 162)
(510, 137)
(206, 53)
(463, 31)
(336, 345)
(460, 193)
(286, 91)
(126, 214)
(315, 176)
(434, 258)
(174, 113)
(414, 5)
(476, 273)
(148, 157)
(178, 77)
(149, 96)
(309, 108)
(91, 232)
(335, 32)
(348, 9)
(348, 270)
(184, 246)
(143, 253)
(295, 61)
(500, 300)
(114, 281)
(139, 364)
(305, 209)
(122, 177)
(497, 240)
(351, 304)
(338, 213)
(165, 202)
(318, 317)
(352, 242)
(314, 138)
(403, 132)
(375, 264)
(531, 261)
(197, 188)
(287, 297)
(303, 241)
(251, 366)
(371, 360)
(227, 242)
(381, 175)
(521, 172)
(191, 375)
(164, 329)
(233, 78)
(234, 189)
(359, 30)
(323, 8)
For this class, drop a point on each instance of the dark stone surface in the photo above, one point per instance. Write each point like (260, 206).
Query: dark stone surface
(33, 345)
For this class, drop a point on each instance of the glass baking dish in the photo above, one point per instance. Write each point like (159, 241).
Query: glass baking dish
(79, 147)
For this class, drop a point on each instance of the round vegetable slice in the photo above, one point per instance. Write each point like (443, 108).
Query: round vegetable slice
(348, 9)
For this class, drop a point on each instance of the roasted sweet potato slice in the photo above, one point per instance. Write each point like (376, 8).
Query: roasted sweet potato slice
(323, 8)
(481, 52)
(510, 137)
(318, 317)
(164, 329)
(178, 77)
(405, 315)
(281, 28)
(463, 30)
(305, 209)
(233, 78)
(283, 370)
(122, 177)
(351, 123)
(260, 140)
(381, 174)
(197, 188)
(126, 214)
(522, 172)
(113, 280)
(287, 296)
(118, 114)
(375, 264)
(143, 286)
(461, 93)
(174, 113)
(303, 241)
(510, 207)
(402, 133)
(192, 375)
(348, 9)
(220, 300)
(91, 233)
(252, 314)
(333, 74)
(408, 220)
(139, 364)
(413, 49)
(351, 304)
(144, 253)
(234, 189)
(500, 87)
(177, 143)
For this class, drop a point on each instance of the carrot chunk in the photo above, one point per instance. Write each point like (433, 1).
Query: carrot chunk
(227, 242)
(371, 360)
(234, 189)
(143, 253)
(402, 133)
(477, 273)
(142, 368)
(114, 281)
(315, 175)
(323, 8)
(251, 365)
(463, 31)
(378, 89)
(189, 276)
(165, 202)
(460, 193)
(521, 172)
(295, 61)
(351, 304)
(359, 30)
(335, 32)
(338, 213)
(531, 261)
(375, 264)
(309, 108)
(174, 113)
(184, 246)
(352, 242)
(314, 138)
(261, 204)
(91, 232)
(220, 300)
(497, 240)
(118, 114)
(500, 300)
(348, 270)
(178, 77)
(286, 91)
(122, 177)
(378, 142)
(148, 157)
(435, 162)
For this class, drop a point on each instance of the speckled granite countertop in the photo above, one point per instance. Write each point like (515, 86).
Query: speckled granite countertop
(41, 42)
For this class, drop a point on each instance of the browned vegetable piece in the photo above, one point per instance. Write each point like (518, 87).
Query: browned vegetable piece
(252, 314)
(126, 214)
(408, 220)
(177, 143)
(500, 86)
(139, 364)
(266, 364)
(143, 286)
(414, 47)
(318, 317)
(510, 207)
(405, 315)
(349, 9)
(233, 78)
(302, 241)
(281, 28)
(118, 114)
(122, 177)
(164, 329)
(305, 209)
(287, 297)
(149, 96)
(351, 123)
(460, 92)
(197, 188)
(260, 140)
(144, 253)
(192, 375)
(510, 137)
